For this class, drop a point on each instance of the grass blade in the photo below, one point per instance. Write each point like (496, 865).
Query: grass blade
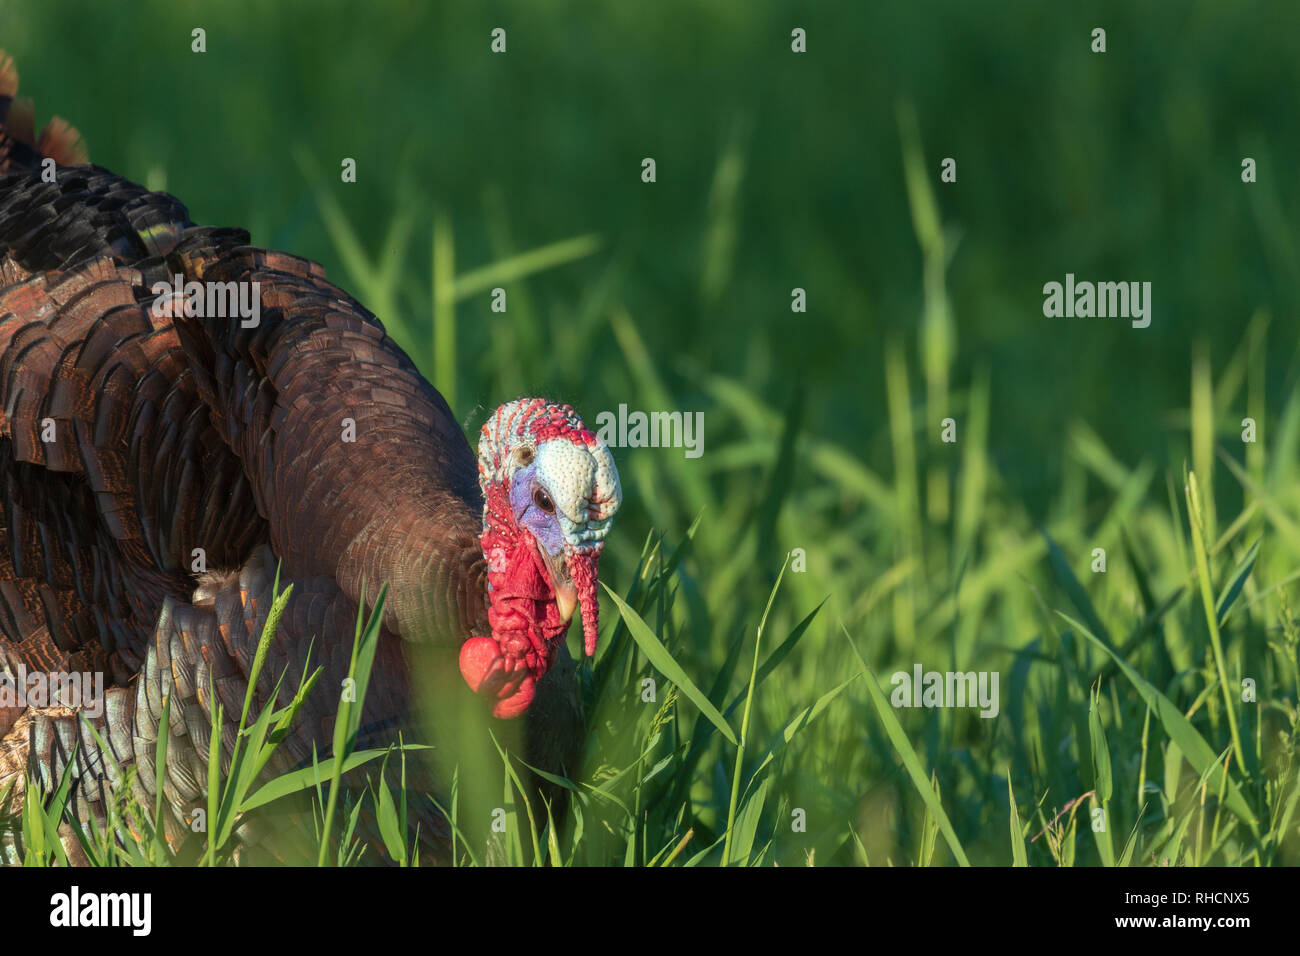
(911, 762)
(662, 660)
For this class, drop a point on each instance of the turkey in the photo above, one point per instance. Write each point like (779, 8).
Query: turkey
(166, 452)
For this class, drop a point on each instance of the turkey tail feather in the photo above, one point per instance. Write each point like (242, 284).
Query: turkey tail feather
(19, 148)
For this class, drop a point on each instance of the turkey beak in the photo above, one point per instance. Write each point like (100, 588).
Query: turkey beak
(566, 600)
(566, 595)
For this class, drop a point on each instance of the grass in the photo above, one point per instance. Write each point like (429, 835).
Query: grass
(1121, 689)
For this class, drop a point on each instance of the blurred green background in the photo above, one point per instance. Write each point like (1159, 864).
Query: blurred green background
(1117, 166)
(820, 170)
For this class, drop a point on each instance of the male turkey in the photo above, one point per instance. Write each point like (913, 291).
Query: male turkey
(140, 434)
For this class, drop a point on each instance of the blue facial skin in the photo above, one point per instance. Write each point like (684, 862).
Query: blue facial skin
(544, 527)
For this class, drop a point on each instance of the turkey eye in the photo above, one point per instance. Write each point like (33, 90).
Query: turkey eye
(543, 501)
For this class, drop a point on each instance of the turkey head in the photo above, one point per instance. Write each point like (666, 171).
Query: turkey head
(550, 491)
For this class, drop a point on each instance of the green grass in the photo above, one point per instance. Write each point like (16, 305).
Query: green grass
(1121, 690)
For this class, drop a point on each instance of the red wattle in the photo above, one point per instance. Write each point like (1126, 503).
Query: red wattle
(485, 671)
(525, 621)
(477, 655)
(516, 704)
